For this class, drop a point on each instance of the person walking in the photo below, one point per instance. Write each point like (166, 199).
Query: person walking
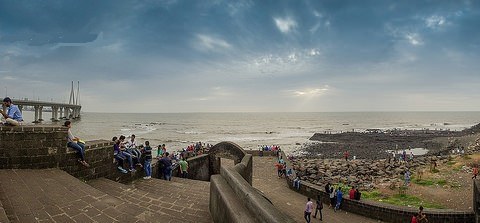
(308, 210)
(475, 171)
(407, 178)
(318, 208)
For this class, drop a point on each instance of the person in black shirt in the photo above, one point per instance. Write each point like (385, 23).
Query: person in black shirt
(318, 208)
(167, 167)
(147, 150)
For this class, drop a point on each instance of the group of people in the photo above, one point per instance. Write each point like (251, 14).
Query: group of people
(132, 153)
(128, 152)
(268, 148)
(402, 157)
(336, 198)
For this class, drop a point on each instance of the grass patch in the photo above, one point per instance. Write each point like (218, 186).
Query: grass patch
(466, 157)
(458, 168)
(399, 199)
(429, 182)
(409, 200)
(435, 171)
(372, 195)
(451, 163)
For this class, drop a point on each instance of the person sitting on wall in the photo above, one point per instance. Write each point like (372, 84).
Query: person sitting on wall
(13, 116)
(118, 156)
(296, 183)
(124, 152)
(289, 172)
(131, 146)
(76, 144)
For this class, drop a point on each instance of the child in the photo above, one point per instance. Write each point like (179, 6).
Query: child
(147, 150)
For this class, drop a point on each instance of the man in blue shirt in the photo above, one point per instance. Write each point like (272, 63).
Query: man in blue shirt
(13, 116)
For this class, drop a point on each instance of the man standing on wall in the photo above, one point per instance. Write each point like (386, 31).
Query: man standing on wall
(13, 116)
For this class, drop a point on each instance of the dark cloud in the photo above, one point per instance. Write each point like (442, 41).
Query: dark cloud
(387, 45)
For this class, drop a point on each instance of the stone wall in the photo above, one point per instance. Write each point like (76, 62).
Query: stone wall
(476, 200)
(38, 147)
(198, 168)
(377, 210)
(228, 150)
(31, 147)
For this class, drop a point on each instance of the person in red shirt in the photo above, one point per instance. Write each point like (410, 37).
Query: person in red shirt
(475, 172)
(351, 193)
(279, 167)
(346, 154)
(414, 219)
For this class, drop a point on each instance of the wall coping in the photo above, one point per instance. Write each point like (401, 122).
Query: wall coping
(255, 202)
(33, 128)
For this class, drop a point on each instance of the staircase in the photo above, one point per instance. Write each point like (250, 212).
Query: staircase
(52, 195)
(179, 200)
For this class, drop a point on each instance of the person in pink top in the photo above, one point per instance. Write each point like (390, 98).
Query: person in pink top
(308, 210)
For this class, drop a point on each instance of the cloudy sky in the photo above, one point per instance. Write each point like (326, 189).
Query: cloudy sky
(241, 56)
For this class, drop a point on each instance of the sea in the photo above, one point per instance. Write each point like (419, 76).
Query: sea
(290, 131)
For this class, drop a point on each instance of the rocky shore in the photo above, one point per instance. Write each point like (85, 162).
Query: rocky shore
(374, 144)
(366, 174)
(373, 168)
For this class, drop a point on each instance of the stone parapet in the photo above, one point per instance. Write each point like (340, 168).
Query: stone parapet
(198, 168)
(40, 147)
(233, 199)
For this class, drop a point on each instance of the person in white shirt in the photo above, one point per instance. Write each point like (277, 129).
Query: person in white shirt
(308, 210)
(75, 143)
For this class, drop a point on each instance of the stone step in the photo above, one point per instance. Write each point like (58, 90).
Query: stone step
(52, 195)
(169, 199)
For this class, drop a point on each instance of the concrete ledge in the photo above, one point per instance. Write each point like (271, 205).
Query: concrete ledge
(224, 205)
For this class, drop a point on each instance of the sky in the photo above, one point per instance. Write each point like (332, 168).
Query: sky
(244, 56)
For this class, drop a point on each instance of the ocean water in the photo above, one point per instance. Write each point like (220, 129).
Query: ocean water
(249, 130)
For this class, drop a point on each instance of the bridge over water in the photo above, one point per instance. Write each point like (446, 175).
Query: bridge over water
(59, 111)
